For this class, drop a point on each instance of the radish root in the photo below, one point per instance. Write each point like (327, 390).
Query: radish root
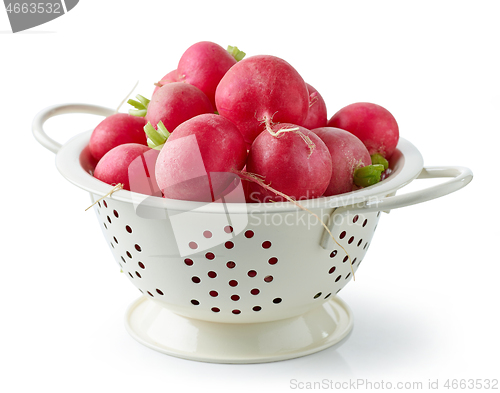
(313, 98)
(128, 95)
(310, 144)
(119, 186)
(259, 179)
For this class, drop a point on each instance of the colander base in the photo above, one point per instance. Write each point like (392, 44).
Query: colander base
(155, 326)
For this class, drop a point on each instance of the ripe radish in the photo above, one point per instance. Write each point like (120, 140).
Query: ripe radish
(132, 165)
(259, 89)
(348, 153)
(292, 160)
(199, 159)
(176, 102)
(116, 130)
(172, 76)
(204, 64)
(374, 125)
(316, 116)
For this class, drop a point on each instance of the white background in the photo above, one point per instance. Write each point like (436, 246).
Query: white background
(425, 301)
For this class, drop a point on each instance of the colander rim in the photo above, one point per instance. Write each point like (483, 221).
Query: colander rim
(406, 162)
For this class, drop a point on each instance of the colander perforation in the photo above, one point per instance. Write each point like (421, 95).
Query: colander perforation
(232, 272)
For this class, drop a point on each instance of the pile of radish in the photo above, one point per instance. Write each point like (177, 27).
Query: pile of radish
(219, 115)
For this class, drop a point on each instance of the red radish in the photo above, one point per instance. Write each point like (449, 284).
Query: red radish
(374, 125)
(292, 160)
(199, 159)
(260, 89)
(172, 76)
(176, 102)
(116, 130)
(203, 65)
(317, 116)
(132, 165)
(348, 153)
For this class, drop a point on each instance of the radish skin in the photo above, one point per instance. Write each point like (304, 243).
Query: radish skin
(203, 65)
(176, 102)
(172, 76)
(348, 153)
(374, 125)
(288, 164)
(198, 160)
(317, 115)
(116, 130)
(132, 165)
(262, 89)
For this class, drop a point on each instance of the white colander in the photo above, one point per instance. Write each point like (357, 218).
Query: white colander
(236, 282)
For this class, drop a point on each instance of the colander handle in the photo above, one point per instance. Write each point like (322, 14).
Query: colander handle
(55, 110)
(460, 177)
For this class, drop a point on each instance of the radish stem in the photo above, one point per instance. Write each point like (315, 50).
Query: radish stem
(379, 159)
(143, 100)
(141, 106)
(156, 138)
(236, 53)
(368, 175)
